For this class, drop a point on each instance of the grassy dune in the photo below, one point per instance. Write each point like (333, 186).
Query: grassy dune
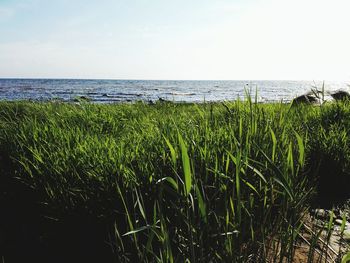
(167, 182)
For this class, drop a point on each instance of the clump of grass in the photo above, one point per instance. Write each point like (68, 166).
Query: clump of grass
(172, 182)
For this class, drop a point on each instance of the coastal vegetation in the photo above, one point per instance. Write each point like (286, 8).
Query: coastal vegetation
(169, 182)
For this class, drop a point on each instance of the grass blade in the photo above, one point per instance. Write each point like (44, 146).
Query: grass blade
(186, 165)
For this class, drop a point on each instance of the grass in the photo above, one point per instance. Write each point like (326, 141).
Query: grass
(221, 182)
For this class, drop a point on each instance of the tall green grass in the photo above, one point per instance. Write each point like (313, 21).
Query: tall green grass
(175, 182)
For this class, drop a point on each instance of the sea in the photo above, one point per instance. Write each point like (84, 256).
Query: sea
(121, 91)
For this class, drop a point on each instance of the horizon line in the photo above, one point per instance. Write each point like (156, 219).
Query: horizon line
(163, 79)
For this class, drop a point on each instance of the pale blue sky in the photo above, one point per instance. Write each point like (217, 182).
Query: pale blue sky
(178, 39)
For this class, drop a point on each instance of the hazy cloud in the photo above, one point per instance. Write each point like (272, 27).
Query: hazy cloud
(6, 12)
(244, 39)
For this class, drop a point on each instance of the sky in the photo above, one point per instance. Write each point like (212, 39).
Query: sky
(178, 39)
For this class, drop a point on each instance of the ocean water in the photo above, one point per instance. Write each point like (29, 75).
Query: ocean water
(113, 91)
